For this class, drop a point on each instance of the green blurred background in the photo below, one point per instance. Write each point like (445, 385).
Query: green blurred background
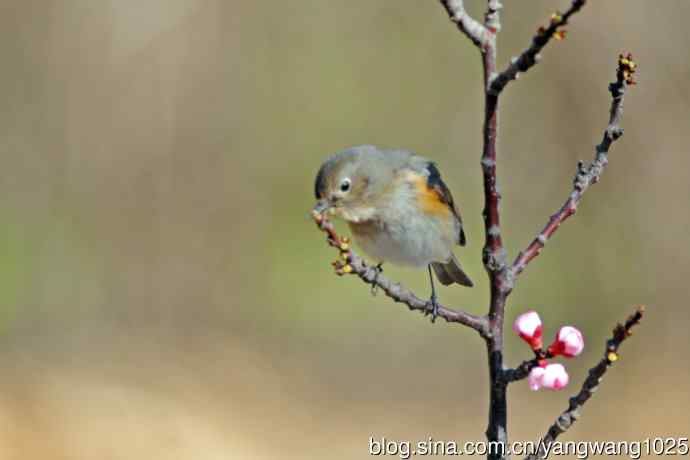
(163, 294)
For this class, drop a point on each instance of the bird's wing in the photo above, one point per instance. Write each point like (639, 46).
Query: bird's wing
(435, 183)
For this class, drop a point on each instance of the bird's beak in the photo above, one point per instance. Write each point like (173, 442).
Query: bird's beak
(321, 206)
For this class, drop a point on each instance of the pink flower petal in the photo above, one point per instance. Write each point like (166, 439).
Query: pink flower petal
(569, 342)
(534, 379)
(529, 327)
(555, 377)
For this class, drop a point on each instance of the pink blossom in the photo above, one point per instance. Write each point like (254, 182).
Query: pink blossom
(555, 377)
(528, 326)
(550, 376)
(535, 377)
(568, 342)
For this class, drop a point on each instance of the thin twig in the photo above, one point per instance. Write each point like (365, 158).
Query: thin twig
(523, 370)
(474, 30)
(572, 413)
(530, 56)
(492, 18)
(586, 175)
(351, 263)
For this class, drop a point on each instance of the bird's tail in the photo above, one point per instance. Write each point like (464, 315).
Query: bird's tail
(451, 272)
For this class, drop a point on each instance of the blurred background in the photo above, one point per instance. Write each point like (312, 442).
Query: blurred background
(163, 294)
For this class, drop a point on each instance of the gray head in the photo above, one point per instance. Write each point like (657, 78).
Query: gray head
(350, 179)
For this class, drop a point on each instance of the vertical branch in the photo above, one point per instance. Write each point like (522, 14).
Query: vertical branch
(494, 261)
(494, 255)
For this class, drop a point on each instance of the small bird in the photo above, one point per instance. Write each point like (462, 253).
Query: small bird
(398, 209)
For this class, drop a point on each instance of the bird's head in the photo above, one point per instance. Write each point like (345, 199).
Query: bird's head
(349, 182)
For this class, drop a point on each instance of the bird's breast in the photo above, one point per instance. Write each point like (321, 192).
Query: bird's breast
(404, 237)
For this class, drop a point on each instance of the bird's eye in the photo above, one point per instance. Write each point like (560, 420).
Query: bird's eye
(345, 185)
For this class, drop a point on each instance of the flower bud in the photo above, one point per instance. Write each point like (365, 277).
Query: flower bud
(534, 378)
(550, 376)
(528, 326)
(568, 342)
(555, 377)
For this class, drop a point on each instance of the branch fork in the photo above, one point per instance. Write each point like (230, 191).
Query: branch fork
(530, 57)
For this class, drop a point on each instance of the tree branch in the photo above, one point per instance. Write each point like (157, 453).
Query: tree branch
(586, 175)
(493, 253)
(492, 18)
(523, 370)
(351, 263)
(572, 413)
(501, 274)
(530, 56)
(474, 30)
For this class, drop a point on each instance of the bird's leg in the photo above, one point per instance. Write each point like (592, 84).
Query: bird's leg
(434, 304)
(374, 286)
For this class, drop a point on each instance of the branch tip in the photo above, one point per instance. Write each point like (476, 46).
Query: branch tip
(627, 68)
(530, 57)
(586, 175)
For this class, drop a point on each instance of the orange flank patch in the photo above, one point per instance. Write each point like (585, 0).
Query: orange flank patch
(428, 199)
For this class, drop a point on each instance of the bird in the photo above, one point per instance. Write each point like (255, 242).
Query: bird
(398, 210)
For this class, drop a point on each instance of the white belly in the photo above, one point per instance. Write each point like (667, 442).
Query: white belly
(412, 241)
